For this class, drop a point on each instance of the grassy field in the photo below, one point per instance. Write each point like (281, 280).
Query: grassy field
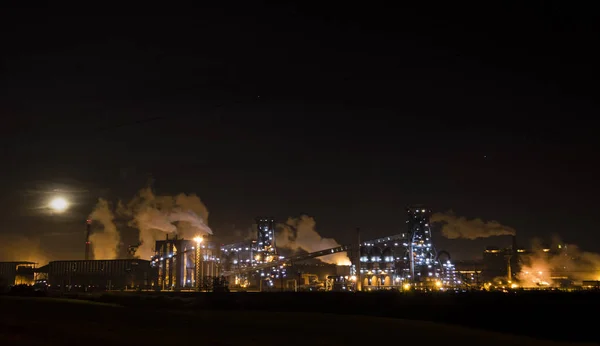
(50, 321)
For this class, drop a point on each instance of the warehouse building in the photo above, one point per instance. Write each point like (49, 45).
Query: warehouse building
(17, 273)
(90, 275)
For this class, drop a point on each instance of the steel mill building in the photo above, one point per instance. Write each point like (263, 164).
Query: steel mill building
(90, 275)
(17, 273)
(407, 260)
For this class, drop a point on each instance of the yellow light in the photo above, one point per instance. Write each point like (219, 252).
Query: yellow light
(59, 204)
(198, 239)
(438, 283)
(406, 286)
(353, 278)
(514, 286)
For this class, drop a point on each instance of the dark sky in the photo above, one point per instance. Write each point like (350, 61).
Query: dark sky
(345, 113)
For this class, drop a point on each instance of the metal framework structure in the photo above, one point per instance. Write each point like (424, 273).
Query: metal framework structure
(403, 261)
(425, 269)
(265, 249)
(185, 264)
(242, 268)
(265, 253)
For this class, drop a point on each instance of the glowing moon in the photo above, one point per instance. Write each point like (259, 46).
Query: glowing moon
(59, 204)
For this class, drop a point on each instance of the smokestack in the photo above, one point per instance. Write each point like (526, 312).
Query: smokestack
(508, 268)
(88, 226)
(358, 284)
(514, 258)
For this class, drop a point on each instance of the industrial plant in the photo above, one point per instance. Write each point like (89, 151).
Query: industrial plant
(404, 261)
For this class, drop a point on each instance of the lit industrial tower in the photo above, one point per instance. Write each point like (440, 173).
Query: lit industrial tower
(265, 252)
(265, 240)
(424, 268)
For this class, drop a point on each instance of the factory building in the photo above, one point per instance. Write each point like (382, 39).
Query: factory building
(89, 275)
(495, 262)
(308, 274)
(378, 263)
(237, 255)
(17, 273)
(314, 276)
(590, 285)
(265, 242)
(406, 261)
(403, 261)
(238, 258)
(568, 270)
(470, 272)
(502, 262)
(186, 264)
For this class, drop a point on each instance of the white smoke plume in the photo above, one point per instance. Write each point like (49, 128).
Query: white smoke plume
(455, 227)
(557, 261)
(156, 216)
(105, 243)
(300, 233)
(190, 224)
(192, 203)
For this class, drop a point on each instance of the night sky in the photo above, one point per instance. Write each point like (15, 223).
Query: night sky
(344, 113)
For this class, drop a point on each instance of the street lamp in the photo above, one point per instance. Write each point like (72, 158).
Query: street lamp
(198, 260)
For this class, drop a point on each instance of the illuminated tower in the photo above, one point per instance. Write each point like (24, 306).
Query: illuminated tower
(265, 252)
(265, 240)
(424, 269)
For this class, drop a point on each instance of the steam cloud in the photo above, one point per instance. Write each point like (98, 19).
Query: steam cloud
(564, 260)
(455, 227)
(106, 242)
(300, 233)
(154, 216)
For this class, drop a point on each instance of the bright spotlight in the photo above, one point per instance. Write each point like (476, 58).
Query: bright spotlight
(198, 239)
(59, 204)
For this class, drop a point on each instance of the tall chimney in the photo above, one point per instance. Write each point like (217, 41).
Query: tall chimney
(88, 226)
(513, 261)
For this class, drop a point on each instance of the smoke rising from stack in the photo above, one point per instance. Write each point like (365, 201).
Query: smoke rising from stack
(455, 227)
(558, 260)
(300, 233)
(105, 242)
(155, 216)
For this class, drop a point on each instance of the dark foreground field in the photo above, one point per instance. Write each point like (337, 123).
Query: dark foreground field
(51, 321)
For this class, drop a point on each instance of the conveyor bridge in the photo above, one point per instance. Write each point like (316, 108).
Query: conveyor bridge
(289, 260)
